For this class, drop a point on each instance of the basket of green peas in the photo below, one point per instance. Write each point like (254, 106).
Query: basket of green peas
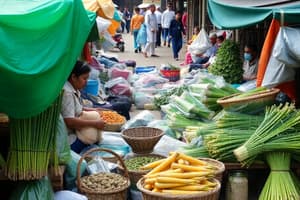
(135, 162)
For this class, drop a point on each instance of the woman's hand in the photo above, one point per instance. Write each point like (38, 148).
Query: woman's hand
(99, 124)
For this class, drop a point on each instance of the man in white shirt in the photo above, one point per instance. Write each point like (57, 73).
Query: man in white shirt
(158, 33)
(151, 26)
(166, 18)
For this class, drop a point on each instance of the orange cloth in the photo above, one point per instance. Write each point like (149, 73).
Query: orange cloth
(136, 22)
(113, 27)
(266, 51)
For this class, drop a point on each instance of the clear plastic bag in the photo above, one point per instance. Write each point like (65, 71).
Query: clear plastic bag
(141, 119)
(200, 44)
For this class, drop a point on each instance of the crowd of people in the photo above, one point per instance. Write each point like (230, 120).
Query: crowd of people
(168, 28)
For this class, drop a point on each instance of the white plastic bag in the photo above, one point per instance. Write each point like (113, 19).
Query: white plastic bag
(285, 48)
(200, 44)
(102, 24)
(277, 72)
(68, 195)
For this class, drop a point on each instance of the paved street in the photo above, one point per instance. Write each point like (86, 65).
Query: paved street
(164, 52)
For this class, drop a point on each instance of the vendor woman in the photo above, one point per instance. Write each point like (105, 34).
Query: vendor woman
(72, 108)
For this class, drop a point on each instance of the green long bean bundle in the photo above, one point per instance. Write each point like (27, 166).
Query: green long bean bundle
(281, 183)
(277, 120)
(32, 141)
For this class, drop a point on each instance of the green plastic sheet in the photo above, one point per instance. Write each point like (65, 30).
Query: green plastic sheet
(234, 14)
(40, 42)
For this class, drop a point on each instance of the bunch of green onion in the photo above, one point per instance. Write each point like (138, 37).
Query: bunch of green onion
(278, 120)
(236, 120)
(281, 183)
(32, 142)
(221, 144)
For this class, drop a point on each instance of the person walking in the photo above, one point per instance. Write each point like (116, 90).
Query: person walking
(166, 18)
(176, 32)
(127, 18)
(158, 33)
(135, 26)
(151, 26)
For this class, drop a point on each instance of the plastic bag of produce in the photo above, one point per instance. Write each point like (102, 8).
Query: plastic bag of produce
(33, 190)
(149, 80)
(200, 44)
(115, 81)
(141, 98)
(62, 145)
(115, 72)
(141, 119)
(68, 195)
(163, 125)
(71, 170)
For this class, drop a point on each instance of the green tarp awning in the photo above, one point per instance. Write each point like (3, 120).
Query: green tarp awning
(233, 14)
(40, 42)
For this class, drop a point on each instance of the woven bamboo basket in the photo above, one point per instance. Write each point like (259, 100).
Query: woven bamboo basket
(136, 175)
(219, 165)
(208, 195)
(265, 96)
(142, 139)
(96, 195)
(113, 127)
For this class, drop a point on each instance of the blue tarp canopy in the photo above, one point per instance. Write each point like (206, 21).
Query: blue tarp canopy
(234, 14)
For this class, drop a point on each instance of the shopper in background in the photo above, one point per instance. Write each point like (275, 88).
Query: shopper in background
(151, 25)
(176, 32)
(135, 26)
(250, 62)
(184, 19)
(158, 33)
(127, 17)
(166, 18)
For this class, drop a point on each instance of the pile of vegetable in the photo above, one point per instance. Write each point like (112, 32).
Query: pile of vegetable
(32, 141)
(219, 138)
(104, 182)
(164, 97)
(278, 131)
(228, 62)
(180, 174)
(112, 117)
(136, 163)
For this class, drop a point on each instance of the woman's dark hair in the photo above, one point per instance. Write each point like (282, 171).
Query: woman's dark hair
(137, 9)
(80, 68)
(253, 47)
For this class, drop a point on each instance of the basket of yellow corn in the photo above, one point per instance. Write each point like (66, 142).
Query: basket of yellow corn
(180, 177)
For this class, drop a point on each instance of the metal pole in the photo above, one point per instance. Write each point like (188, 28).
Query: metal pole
(203, 13)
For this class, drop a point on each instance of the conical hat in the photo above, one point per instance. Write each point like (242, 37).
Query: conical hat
(106, 9)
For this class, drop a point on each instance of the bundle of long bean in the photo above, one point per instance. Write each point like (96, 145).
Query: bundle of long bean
(32, 140)
(277, 120)
(281, 183)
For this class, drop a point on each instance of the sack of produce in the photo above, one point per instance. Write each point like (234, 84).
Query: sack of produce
(89, 135)
(141, 119)
(62, 145)
(70, 173)
(33, 190)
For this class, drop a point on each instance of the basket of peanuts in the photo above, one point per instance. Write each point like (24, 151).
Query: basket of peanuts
(113, 120)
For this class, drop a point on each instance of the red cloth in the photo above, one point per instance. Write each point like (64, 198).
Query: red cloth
(289, 88)
(86, 53)
(184, 20)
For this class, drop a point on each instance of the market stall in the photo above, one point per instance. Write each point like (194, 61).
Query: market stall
(41, 41)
